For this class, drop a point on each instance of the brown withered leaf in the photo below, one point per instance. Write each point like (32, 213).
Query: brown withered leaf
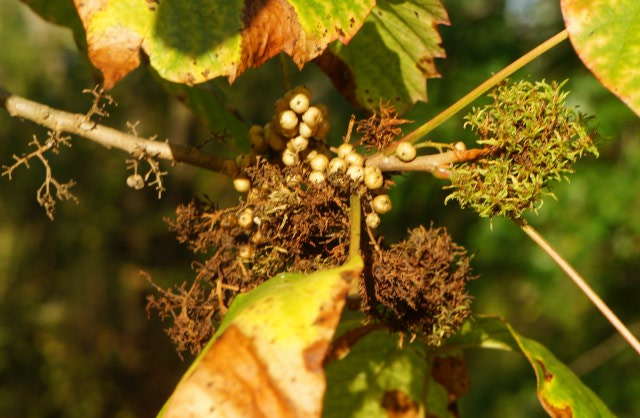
(266, 359)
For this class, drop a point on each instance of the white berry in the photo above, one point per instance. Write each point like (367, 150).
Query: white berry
(299, 143)
(312, 117)
(373, 178)
(245, 218)
(290, 158)
(372, 220)
(337, 165)
(316, 177)
(460, 146)
(306, 130)
(135, 181)
(405, 151)
(299, 103)
(242, 184)
(356, 173)
(319, 162)
(381, 204)
(344, 149)
(353, 158)
(288, 119)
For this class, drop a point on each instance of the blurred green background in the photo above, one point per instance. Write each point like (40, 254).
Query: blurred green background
(75, 340)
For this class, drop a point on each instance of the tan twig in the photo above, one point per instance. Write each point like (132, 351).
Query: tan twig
(582, 284)
(80, 125)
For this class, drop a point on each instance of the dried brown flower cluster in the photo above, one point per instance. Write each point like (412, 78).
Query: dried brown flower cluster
(419, 285)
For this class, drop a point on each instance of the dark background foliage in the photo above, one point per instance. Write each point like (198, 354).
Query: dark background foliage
(75, 340)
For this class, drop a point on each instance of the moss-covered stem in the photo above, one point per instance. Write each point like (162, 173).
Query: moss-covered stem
(355, 218)
(582, 284)
(423, 130)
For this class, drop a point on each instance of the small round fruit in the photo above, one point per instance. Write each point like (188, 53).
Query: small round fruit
(135, 181)
(258, 144)
(316, 177)
(245, 252)
(319, 162)
(245, 218)
(288, 119)
(242, 184)
(460, 146)
(229, 168)
(372, 220)
(305, 130)
(337, 165)
(354, 158)
(245, 160)
(344, 149)
(290, 158)
(312, 117)
(356, 173)
(373, 178)
(273, 139)
(299, 143)
(299, 103)
(323, 129)
(324, 110)
(381, 204)
(406, 152)
(281, 105)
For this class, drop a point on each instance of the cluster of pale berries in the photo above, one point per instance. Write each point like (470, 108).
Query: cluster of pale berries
(296, 134)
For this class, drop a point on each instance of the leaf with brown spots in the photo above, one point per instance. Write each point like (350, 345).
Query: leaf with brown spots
(391, 57)
(560, 391)
(194, 41)
(266, 358)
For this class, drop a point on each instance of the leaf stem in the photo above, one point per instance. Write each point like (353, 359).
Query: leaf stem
(582, 284)
(484, 87)
(355, 218)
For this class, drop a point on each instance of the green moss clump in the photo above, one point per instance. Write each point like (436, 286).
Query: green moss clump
(530, 137)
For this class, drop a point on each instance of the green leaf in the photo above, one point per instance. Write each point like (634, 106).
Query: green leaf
(560, 391)
(392, 55)
(606, 36)
(375, 369)
(194, 41)
(382, 377)
(266, 357)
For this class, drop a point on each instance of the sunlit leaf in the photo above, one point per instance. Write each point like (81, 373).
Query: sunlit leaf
(559, 390)
(391, 57)
(606, 36)
(195, 41)
(266, 358)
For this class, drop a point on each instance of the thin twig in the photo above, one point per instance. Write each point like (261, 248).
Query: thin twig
(355, 219)
(582, 284)
(425, 163)
(78, 124)
(484, 87)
